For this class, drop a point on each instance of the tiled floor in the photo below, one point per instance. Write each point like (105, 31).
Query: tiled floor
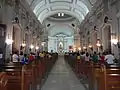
(62, 78)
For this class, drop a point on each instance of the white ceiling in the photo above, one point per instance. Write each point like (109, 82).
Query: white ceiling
(46, 8)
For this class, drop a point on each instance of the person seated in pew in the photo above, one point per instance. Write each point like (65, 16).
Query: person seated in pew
(31, 57)
(21, 56)
(49, 55)
(25, 59)
(82, 56)
(95, 57)
(109, 58)
(78, 56)
(87, 57)
(102, 58)
(15, 57)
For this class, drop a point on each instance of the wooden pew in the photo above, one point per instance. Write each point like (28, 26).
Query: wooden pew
(97, 76)
(100, 77)
(111, 77)
(19, 76)
(27, 77)
(3, 81)
(106, 77)
(14, 73)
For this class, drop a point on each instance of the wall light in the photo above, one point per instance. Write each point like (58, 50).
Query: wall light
(98, 44)
(43, 43)
(31, 46)
(90, 46)
(62, 14)
(58, 14)
(36, 47)
(84, 47)
(23, 44)
(9, 41)
(79, 48)
(114, 41)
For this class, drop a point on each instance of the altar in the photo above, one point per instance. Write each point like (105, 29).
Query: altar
(60, 43)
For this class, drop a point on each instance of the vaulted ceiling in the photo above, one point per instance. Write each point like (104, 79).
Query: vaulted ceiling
(75, 8)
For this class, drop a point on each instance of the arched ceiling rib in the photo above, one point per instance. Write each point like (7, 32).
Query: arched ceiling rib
(76, 8)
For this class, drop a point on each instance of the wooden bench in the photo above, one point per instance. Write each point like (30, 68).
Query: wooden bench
(19, 76)
(14, 73)
(102, 77)
(3, 81)
(27, 77)
(110, 76)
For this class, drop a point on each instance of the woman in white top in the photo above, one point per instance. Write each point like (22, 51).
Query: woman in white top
(15, 57)
(109, 58)
(87, 57)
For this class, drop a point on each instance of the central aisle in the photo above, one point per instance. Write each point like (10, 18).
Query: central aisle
(62, 78)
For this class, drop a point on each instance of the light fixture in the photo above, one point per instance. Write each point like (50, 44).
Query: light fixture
(43, 43)
(90, 46)
(58, 14)
(98, 44)
(79, 48)
(31, 46)
(36, 47)
(62, 14)
(84, 47)
(23, 44)
(114, 41)
(9, 41)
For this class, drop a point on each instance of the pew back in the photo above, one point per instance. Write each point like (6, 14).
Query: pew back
(3, 81)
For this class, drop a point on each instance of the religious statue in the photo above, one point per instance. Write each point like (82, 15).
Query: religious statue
(60, 45)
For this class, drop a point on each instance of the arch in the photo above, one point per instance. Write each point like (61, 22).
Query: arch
(33, 3)
(42, 17)
(66, 30)
(76, 8)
